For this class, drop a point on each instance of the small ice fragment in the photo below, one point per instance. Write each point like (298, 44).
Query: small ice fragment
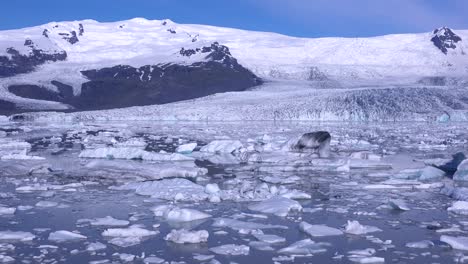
(319, 230)
(153, 260)
(46, 204)
(109, 221)
(304, 247)
(65, 236)
(270, 239)
(186, 148)
(231, 249)
(355, 228)
(420, 244)
(187, 237)
(132, 231)
(96, 246)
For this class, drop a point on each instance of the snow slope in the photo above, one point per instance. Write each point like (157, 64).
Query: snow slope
(313, 79)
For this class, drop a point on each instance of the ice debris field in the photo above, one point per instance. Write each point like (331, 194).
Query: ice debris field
(251, 192)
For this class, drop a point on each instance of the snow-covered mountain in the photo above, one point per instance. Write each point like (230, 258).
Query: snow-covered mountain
(87, 65)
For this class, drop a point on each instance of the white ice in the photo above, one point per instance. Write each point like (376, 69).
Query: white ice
(319, 230)
(277, 205)
(65, 236)
(187, 237)
(231, 249)
(355, 228)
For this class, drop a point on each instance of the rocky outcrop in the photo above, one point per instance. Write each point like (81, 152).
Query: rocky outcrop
(17, 62)
(444, 39)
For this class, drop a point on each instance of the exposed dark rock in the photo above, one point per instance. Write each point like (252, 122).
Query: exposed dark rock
(444, 38)
(80, 30)
(71, 37)
(65, 91)
(18, 63)
(172, 31)
(317, 141)
(45, 33)
(35, 92)
(215, 52)
(124, 86)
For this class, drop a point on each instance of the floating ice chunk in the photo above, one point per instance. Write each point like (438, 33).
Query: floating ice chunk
(125, 241)
(304, 248)
(368, 260)
(96, 246)
(168, 189)
(462, 171)
(431, 173)
(186, 148)
(262, 246)
(460, 243)
(459, 207)
(222, 146)
(132, 143)
(398, 204)
(178, 215)
(187, 237)
(132, 231)
(125, 257)
(16, 236)
(420, 244)
(109, 221)
(153, 260)
(46, 204)
(319, 230)
(355, 228)
(7, 210)
(365, 256)
(270, 239)
(231, 249)
(212, 188)
(201, 257)
(276, 205)
(133, 169)
(20, 157)
(241, 225)
(131, 153)
(65, 236)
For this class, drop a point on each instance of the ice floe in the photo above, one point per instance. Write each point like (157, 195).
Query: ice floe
(177, 215)
(319, 230)
(108, 221)
(276, 205)
(65, 236)
(16, 236)
(187, 237)
(460, 243)
(231, 249)
(355, 228)
(304, 247)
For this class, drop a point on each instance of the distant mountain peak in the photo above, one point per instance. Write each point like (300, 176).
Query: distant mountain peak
(444, 38)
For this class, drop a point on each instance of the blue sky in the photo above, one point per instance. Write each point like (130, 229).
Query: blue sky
(305, 18)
